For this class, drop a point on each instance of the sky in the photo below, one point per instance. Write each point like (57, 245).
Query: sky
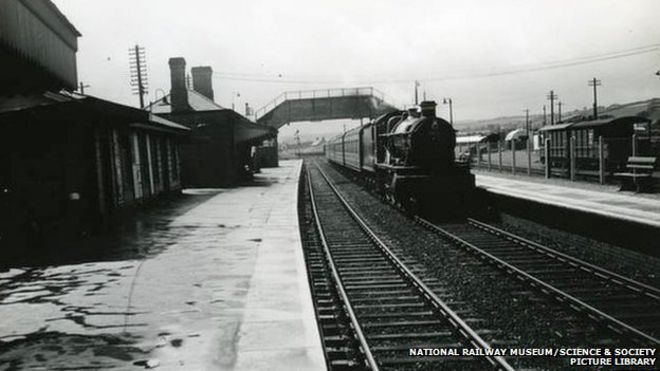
(493, 58)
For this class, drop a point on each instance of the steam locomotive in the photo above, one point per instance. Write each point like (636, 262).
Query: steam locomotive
(408, 156)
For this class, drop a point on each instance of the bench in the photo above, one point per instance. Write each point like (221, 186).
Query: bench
(639, 177)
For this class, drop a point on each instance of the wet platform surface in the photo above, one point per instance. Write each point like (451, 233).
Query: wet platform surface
(214, 281)
(610, 204)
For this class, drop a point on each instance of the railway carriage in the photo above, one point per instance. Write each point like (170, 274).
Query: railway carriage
(616, 133)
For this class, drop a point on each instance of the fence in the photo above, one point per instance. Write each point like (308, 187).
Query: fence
(596, 161)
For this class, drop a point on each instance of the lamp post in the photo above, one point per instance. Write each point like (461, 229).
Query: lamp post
(234, 94)
(451, 110)
(162, 92)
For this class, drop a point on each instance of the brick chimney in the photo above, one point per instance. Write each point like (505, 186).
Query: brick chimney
(202, 82)
(178, 92)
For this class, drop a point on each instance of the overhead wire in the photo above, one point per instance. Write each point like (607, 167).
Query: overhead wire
(449, 75)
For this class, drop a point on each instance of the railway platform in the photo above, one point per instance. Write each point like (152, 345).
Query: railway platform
(607, 203)
(214, 281)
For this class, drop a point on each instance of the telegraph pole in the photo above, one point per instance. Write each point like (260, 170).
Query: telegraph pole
(595, 82)
(559, 113)
(527, 122)
(138, 66)
(545, 122)
(451, 109)
(552, 96)
(82, 87)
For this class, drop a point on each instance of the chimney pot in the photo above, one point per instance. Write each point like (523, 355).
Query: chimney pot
(202, 80)
(178, 92)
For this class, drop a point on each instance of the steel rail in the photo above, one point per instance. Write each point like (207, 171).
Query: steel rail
(559, 295)
(339, 284)
(463, 328)
(603, 273)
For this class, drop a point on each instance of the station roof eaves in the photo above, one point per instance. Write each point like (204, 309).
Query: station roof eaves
(196, 101)
(30, 103)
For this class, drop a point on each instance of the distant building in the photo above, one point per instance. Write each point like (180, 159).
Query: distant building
(220, 151)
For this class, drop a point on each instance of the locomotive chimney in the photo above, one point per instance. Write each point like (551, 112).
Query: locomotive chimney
(428, 108)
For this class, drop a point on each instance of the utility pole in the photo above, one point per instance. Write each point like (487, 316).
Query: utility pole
(552, 96)
(595, 82)
(527, 122)
(234, 95)
(424, 95)
(82, 87)
(451, 109)
(559, 113)
(138, 66)
(545, 122)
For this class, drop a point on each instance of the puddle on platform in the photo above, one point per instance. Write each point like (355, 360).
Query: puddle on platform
(54, 350)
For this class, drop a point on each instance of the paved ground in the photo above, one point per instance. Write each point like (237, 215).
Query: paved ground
(213, 281)
(605, 200)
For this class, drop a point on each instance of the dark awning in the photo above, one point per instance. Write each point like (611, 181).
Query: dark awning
(626, 120)
(65, 105)
(556, 127)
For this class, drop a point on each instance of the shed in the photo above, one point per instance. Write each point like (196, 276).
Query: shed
(68, 162)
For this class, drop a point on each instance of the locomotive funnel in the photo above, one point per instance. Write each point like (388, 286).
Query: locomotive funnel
(428, 108)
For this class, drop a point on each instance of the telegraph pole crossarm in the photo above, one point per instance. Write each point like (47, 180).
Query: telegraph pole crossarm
(138, 72)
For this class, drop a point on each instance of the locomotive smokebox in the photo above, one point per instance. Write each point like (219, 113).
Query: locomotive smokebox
(428, 108)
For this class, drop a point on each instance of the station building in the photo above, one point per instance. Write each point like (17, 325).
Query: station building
(220, 152)
(69, 163)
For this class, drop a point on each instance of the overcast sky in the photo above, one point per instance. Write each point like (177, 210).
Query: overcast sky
(472, 51)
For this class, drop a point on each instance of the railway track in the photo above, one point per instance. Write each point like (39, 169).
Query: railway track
(389, 308)
(342, 349)
(621, 304)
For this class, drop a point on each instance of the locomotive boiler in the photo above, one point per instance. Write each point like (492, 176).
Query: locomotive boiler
(409, 157)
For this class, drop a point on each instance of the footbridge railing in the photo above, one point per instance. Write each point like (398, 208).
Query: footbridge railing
(323, 104)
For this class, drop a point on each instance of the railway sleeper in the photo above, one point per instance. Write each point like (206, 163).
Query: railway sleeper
(447, 363)
(414, 305)
(380, 294)
(411, 323)
(375, 286)
(398, 316)
(385, 300)
(356, 276)
(385, 346)
(369, 280)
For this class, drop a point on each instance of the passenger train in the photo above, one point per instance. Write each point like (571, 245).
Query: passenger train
(408, 156)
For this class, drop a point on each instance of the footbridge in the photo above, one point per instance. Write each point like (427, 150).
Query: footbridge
(327, 104)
